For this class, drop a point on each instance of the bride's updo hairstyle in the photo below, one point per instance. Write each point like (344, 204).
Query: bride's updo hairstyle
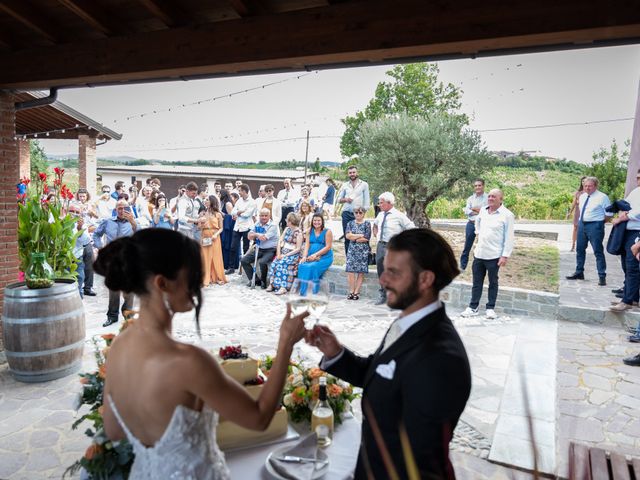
(128, 262)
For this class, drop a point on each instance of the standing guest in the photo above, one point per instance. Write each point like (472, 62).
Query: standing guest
(227, 201)
(122, 225)
(261, 192)
(318, 254)
(592, 204)
(82, 241)
(142, 206)
(576, 213)
(154, 183)
(475, 203)
(288, 199)
(306, 215)
(133, 193)
(228, 186)
(389, 223)
(265, 236)
(284, 268)
(203, 194)
(173, 203)
(187, 211)
(237, 184)
(354, 194)
(417, 383)
(304, 197)
(242, 213)
(217, 189)
(211, 245)
(329, 197)
(90, 222)
(105, 203)
(495, 231)
(118, 189)
(162, 217)
(359, 234)
(271, 203)
(181, 391)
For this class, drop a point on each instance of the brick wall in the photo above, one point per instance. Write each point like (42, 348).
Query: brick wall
(24, 156)
(10, 168)
(87, 162)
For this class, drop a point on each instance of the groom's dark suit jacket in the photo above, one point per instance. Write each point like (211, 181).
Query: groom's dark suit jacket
(427, 394)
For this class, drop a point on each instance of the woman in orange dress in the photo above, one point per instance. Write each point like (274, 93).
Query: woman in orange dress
(211, 226)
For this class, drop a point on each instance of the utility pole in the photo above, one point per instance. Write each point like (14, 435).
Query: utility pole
(306, 159)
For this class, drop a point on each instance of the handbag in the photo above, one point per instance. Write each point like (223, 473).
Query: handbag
(206, 241)
(372, 258)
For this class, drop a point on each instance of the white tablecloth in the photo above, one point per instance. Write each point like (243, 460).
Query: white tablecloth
(248, 464)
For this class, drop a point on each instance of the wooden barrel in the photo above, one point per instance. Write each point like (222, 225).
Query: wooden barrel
(43, 331)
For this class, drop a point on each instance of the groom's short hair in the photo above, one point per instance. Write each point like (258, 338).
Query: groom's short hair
(429, 251)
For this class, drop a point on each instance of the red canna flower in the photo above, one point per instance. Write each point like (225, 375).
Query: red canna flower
(46, 189)
(43, 176)
(56, 171)
(56, 182)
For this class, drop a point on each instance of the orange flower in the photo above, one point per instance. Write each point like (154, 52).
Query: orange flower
(92, 451)
(316, 373)
(84, 380)
(315, 391)
(108, 337)
(298, 394)
(334, 390)
(102, 371)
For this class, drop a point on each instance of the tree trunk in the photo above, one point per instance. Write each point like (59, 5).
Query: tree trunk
(417, 212)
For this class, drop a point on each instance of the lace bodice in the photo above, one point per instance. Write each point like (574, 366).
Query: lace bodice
(186, 450)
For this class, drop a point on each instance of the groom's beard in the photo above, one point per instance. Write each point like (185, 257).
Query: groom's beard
(405, 299)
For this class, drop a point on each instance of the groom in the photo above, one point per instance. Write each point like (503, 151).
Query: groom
(418, 380)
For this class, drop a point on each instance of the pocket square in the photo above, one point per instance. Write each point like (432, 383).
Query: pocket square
(385, 370)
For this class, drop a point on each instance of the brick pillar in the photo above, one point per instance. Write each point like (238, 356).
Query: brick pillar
(10, 168)
(24, 155)
(87, 163)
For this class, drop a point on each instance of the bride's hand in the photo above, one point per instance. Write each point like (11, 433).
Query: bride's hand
(292, 327)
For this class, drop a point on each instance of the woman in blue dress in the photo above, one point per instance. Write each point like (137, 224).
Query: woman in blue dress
(358, 233)
(318, 255)
(226, 205)
(161, 215)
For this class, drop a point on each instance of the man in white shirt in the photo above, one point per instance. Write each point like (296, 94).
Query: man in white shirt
(243, 212)
(105, 203)
(417, 383)
(288, 199)
(389, 223)
(592, 206)
(187, 211)
(495, 232)
(354, 193)
(474, 203)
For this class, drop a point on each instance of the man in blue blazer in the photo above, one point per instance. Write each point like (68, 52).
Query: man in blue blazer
(418, 380)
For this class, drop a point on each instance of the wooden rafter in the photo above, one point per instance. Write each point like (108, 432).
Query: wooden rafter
(169, 14)
(240, 7)
(29, 18)
(90, 14)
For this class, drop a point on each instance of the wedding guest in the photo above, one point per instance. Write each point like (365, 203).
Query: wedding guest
(421, 365)
(142, 204)
(228, 186)
(306, 215)
(359, 234)
(354, 193)
(90, 221)
(217, 188)
(576, 212)
(82, 241)
(318, 254)
(284, 267)
(211, 229)
(122, 225)
(304, 197)
(173, 203)
(187, 211)
(265, 236)
(288, 199)
(105, 203)
(474, 203)
(181, 390)
(227, 201)
(271, 203)
(161, 215)
(242, 213)
(118, 189)
(329, 197)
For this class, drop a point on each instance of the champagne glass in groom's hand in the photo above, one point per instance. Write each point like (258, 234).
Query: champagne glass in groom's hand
(309, 295)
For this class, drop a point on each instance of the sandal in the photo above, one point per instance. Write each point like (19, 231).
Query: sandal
(350, 296)
(356, 296)
(270, 288)
(282, 291)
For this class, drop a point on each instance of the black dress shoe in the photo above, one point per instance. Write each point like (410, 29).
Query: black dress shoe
(258, 283)
(110, 321)
(576, 276)
(90, 293)
(620, 295)
(229, 271)
(632, 361)
(602, 281)
(618, 290)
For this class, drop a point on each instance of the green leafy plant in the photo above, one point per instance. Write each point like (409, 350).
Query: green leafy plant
(44, 226)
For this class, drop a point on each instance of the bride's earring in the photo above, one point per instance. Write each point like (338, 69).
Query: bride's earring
(167, 305)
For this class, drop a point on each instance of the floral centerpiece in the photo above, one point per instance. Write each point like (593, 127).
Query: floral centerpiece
(103, 459)
(301, 391)
(45, 230)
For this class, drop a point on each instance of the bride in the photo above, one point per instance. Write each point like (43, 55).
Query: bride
(163, 395)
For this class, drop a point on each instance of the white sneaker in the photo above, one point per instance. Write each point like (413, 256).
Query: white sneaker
(491, 314)
(469, 312)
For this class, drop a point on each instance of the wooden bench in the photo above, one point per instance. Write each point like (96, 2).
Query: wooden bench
(592, 463)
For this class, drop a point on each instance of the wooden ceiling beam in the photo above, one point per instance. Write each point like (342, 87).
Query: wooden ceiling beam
(352, 33)
(169, 14)
(240, 7)
(30, 18)
(92, 16)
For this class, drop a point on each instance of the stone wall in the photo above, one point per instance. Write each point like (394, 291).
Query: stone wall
(511, 301)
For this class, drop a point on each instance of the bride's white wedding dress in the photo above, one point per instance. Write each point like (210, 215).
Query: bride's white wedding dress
(186, 450)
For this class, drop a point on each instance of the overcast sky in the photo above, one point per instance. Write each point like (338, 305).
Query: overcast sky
(269, 123)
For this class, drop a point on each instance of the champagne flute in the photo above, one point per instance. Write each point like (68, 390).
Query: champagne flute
(309, 295)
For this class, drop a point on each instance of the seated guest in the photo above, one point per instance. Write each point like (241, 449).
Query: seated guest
(358, 233)
(284, 267)
(318, 255)
(265, 235)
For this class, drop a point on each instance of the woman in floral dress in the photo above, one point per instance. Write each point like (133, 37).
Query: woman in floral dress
(358, 233)
(284, 268)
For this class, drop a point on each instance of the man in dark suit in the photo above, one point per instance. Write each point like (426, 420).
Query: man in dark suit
(418, 380)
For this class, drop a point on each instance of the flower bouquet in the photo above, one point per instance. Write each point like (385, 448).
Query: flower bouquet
(301, 391)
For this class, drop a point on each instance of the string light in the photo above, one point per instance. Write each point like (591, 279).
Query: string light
(552, 125)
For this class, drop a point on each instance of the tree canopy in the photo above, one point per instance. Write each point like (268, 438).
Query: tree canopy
(414, 91)
(420, 159)
(38, 159)
(610, 168)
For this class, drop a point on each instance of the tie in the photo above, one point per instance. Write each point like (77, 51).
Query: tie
(286, 196)
(584, 208)
(392, 335)
(384, 220)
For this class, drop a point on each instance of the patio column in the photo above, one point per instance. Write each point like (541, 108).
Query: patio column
(87, 163)
(634, 154)
(10, 168)
(24, 156)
